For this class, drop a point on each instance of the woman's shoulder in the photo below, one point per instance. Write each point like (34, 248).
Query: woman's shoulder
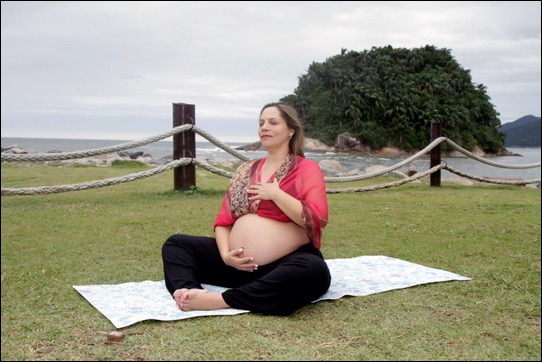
(306, 162)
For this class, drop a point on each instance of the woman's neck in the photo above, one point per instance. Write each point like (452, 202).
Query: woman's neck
(276, 158)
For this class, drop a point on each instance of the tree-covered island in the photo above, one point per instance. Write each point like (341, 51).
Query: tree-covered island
(388, 97)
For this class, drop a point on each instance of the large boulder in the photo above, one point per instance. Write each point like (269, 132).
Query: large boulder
(311, 144)
(347, 143)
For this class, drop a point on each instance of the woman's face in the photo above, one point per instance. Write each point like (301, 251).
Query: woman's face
(273, 131)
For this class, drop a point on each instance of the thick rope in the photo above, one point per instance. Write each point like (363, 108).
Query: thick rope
(388, 169)
(95, 184)
(224, 146)
(94, 152)
(214, 169)
(488, 162)
(416, 176)
(115, 180)
(224, 173)
(491, 180)
(121, 147)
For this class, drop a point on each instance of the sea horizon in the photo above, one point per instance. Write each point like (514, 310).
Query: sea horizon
(198, 139)
(168, 139)
(207, 150)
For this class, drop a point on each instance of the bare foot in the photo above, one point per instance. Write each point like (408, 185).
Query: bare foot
(200, 299)
(179, 295)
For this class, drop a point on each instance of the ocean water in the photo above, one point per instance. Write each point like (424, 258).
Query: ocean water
(205, 150)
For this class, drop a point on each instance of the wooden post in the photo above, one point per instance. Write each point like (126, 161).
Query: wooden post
(184, 145)
(436, 131)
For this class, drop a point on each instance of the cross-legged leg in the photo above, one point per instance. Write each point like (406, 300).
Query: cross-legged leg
(295, 281)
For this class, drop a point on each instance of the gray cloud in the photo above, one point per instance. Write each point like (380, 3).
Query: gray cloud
(111, 70)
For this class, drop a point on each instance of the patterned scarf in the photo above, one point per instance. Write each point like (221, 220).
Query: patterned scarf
(245, 176)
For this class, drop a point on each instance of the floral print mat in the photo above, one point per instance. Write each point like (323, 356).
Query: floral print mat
(129, 303)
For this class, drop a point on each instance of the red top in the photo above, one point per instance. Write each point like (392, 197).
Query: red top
(298, 176)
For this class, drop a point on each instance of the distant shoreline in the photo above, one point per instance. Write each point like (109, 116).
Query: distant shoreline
(160, 152)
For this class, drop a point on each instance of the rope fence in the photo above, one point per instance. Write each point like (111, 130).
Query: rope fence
(40, 190)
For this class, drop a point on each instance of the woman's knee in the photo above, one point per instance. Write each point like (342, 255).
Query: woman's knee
(175, 241)
(321, 273)
(184, 243)
(314, 272)
(315, 264)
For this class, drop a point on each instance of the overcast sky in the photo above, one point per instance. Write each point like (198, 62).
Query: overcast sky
(112, 70)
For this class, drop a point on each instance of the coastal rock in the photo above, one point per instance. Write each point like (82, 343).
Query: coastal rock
(254, 146)
(347, 143)
(311, 144)
(132, 155)
(478, 151)
(331, 164)
(223, 162)
(533, 186)
(330, 167)
(15, 149)
(460, 181)
(315, 145)
(390, 152)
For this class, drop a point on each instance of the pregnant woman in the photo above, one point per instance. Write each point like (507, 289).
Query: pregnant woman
(267, 232)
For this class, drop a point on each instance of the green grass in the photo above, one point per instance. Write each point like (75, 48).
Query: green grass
(114, 235)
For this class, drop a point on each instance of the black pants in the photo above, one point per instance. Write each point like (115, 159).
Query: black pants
(278, 288)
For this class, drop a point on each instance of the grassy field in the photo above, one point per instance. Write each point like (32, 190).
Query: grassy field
(114, 235)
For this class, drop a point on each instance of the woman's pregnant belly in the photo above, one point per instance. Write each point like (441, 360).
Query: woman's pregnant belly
(266, 240)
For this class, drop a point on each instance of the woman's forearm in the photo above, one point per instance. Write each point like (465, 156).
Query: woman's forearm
(222, 235)
(290, 206)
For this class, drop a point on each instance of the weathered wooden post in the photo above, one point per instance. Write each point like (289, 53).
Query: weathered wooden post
(436, 131)
(184, 145)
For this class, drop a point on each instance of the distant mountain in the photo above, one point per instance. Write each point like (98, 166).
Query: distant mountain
(523, 132)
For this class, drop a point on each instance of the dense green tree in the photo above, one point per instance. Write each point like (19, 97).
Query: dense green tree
(390, 96)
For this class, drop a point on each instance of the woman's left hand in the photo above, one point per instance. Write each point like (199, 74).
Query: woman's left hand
(264, 191)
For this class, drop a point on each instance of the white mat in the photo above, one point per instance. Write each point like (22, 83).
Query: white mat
(129, 303)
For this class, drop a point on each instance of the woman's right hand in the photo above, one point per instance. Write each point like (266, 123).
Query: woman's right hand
(234, 259)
